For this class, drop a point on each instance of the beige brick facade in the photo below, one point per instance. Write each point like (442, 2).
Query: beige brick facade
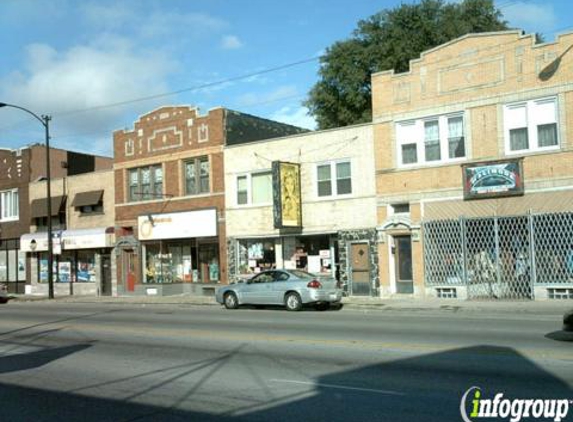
(475, 76)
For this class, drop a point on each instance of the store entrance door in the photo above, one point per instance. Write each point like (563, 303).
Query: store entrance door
(360, 269)
(129, 266)
(403, 260)
(106, 275)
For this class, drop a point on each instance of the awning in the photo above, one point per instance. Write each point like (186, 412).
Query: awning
(34, 242)
(39, 207)
(101, 237)
(84, 199)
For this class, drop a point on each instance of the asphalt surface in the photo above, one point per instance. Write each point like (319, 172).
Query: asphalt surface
(121, 361)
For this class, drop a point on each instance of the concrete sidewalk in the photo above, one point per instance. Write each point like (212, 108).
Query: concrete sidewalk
(545, 307)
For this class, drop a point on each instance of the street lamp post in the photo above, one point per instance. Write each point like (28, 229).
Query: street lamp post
(45, 120)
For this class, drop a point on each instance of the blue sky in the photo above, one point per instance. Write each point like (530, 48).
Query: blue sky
(62, 56)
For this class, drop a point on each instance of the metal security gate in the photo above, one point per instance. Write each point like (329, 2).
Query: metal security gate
(499, 257)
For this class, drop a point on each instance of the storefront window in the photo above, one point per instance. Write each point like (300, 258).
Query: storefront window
(256, 255)
(12, 262)
(3, 266)
(86, 267)
(181, 262)
(309, 253)
(209, 262)
(70, 266)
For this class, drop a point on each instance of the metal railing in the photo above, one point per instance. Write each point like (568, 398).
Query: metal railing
(499, 257)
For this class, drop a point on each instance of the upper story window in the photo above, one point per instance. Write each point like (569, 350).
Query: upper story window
(145, 183)
(90, 202)
(197, 176)
(432, 140)
(255, 188)
(334, 178)
(9, 207)
(531, 125)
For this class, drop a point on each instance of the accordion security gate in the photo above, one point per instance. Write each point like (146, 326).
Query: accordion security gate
(499, 257)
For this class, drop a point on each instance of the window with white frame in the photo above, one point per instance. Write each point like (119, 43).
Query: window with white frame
(255, 188)
(334, 178)
(531, 125)
(438, 139)
(9, 207)
(197, 176)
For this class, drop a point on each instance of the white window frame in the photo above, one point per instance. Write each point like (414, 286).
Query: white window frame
(4, 216)
(334, 191)
(419, 138)
(532, 121)
(249, 177)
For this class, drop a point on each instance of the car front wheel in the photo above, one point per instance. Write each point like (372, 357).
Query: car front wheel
(293, 302)
(231, 301)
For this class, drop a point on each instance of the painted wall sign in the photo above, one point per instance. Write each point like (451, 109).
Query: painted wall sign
(493, 179)
(287, 205)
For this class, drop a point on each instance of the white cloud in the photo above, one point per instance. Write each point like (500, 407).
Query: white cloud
(83, 77)
(531, 17)
(297, 116)
(141, 23)
(231, 42)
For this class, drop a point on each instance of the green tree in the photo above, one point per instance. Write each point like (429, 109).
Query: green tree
(389, 40)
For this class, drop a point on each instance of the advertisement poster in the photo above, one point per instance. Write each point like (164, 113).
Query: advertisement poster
(287, 206)
(493, 179)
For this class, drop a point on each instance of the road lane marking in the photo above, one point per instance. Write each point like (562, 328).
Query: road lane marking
(339, 387)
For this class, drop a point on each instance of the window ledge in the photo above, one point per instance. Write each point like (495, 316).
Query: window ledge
(538, 151)
(9, 219)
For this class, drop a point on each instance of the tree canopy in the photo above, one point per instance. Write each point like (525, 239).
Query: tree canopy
(389, 40)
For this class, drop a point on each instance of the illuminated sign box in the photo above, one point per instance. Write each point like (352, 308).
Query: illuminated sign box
(493, 179)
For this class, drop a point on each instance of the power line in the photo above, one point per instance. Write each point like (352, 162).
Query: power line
(108, 131)
(180, 91)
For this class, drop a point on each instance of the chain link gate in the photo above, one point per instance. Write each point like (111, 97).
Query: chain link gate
(499, 257)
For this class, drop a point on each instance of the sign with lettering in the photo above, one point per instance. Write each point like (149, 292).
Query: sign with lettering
(493, 179)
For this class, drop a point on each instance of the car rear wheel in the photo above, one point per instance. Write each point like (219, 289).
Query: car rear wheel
(231, 301)
(293, 302)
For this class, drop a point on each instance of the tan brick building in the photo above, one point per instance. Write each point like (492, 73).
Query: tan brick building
(170, 197)
(474, 169)
(83, 225)
(19, 167)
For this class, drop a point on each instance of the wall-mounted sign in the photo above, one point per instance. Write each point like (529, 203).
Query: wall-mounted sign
(493, 179)
(178, 225)
(287, 206)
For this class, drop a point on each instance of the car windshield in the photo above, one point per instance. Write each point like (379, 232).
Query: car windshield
(301, 274)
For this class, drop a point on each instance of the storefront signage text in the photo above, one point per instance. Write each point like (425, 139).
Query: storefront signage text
(493, 179)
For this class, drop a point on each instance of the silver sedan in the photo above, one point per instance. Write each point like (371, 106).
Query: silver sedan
(291, 288)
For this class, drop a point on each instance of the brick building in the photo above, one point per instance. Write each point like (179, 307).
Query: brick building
(170, 197)
(474, 168)
(336, 233)
(18, 168)
(83, 226)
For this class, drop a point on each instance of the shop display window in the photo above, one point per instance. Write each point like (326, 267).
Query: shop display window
(181, 262)
(86, 269)
(63, 268)
(309, 253)
(256, 255)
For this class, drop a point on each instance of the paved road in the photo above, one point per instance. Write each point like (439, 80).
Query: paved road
(107, 362)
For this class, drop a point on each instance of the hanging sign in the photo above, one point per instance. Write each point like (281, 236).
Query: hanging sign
(287, 205)
(493, 179)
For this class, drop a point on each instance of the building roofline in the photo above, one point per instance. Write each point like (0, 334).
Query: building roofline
(298, 135)
(520, 34)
